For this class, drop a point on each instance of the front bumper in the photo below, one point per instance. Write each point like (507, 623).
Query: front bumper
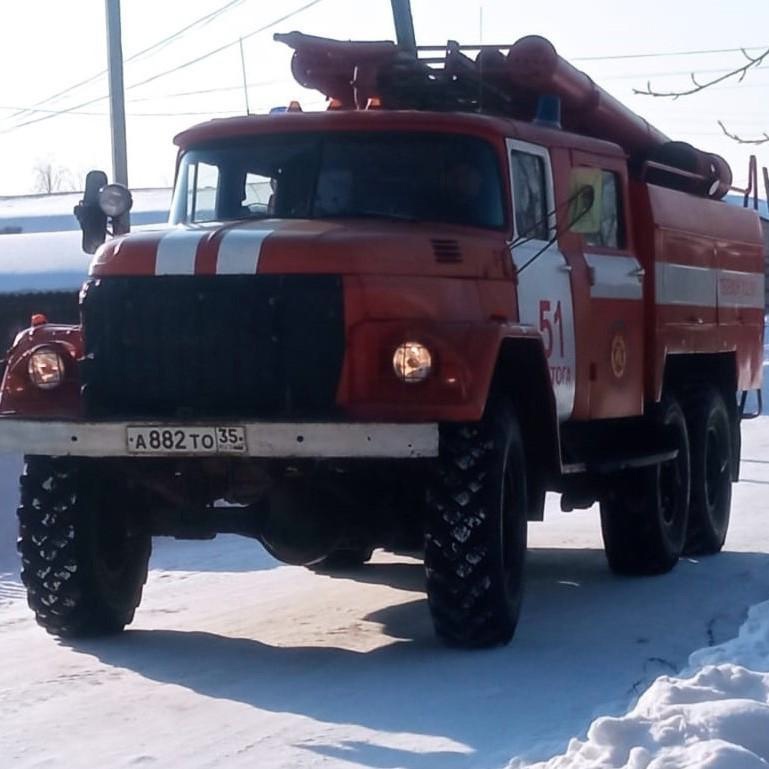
(309, 440)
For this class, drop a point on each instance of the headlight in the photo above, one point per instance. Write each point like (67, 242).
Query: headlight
(412, 362)
(115, 200)
(46, 369)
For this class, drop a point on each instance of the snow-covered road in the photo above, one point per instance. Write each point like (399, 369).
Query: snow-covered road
(237, 661)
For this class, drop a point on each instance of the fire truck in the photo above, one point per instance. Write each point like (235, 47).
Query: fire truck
(476, 278)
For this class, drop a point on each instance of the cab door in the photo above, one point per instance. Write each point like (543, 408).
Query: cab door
(543, 273)
(613, 327)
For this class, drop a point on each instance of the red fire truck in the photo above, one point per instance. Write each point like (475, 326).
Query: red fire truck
(397, 323)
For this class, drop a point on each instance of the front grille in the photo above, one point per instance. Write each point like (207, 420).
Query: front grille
(228, 346)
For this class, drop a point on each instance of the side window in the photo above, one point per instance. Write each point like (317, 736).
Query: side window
(203, 184)
(529, 195)
(610, 234)
(257, 193)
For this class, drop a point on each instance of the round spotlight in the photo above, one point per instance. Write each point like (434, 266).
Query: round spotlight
(412, 362)
(115, 200)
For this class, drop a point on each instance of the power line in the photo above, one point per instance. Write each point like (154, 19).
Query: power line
(204, 91)
(55, 112)
(287, 16)
(159, 97)
(613, 57)
(208, 18)
(160, 44)
(201, 22)
(668, 53)
(224, 47)
(667, 74)
(76, 111)
(179, 67)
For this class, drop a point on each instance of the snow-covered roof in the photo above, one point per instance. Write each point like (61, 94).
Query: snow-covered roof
(42, 261)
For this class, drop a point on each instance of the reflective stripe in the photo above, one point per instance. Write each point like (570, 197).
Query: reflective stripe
(686, 285)
(741, 289)
(681, 284)
(239, 251)
(176, 252)
(615, 277)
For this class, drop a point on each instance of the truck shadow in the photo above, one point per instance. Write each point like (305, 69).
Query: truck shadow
(588, 643)
(399, 575)
(10, 588)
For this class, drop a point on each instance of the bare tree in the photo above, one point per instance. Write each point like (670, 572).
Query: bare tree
(763, 139)
(738, 72)
(52, 178)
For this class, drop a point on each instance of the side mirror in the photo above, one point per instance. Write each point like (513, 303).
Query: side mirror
(102, 202)
(586, 196)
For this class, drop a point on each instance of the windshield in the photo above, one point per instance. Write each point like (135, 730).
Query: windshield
(403, 176)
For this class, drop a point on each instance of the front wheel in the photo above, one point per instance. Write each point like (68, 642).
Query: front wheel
(83, 555)
(475, 543)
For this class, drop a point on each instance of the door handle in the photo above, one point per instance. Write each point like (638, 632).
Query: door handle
(639, 272)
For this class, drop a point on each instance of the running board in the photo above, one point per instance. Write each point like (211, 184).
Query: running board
(611, 446)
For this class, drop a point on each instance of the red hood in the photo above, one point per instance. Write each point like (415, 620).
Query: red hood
(306, 246)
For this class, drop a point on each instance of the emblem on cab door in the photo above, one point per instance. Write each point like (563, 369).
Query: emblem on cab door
(618, 355)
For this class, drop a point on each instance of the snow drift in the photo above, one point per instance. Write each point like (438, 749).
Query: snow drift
(715, 715)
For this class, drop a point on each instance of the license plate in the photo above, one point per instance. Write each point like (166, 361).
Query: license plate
(186, 440)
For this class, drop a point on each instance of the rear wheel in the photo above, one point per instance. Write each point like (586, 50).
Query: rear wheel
(711, 459)
(83, 557)
(644, 512)
(475, 543)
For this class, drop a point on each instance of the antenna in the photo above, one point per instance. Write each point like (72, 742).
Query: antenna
(480, 23)
(245, 78)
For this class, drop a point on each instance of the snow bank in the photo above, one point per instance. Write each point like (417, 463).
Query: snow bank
(714, 716)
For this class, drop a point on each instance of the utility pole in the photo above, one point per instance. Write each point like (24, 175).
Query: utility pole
(116, 93)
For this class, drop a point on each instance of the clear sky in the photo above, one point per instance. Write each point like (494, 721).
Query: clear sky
(48, 45)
